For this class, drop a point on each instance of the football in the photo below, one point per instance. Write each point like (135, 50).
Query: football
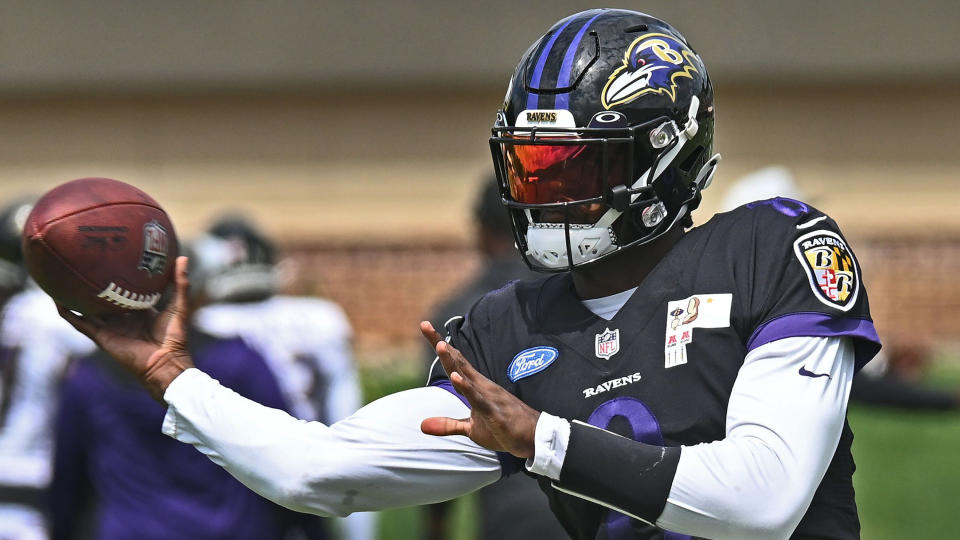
(100, 246)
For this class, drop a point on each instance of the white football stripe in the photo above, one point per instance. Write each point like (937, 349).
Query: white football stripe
(126, 299)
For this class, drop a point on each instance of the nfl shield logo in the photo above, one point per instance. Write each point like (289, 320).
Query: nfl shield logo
(155, 247)
(607, 343)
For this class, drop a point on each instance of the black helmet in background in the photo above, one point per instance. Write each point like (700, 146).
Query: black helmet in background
(233, 261)
(13, 215)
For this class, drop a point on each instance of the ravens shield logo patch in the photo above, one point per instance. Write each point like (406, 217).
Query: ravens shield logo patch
(830, 267)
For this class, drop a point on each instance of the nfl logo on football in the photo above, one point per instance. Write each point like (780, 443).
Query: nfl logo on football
(155, 241)
(607, 343)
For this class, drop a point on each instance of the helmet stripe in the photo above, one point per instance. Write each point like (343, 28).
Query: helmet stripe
(563, 100)
(533, 100)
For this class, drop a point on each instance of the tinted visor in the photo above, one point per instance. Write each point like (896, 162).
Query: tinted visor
(557, 173)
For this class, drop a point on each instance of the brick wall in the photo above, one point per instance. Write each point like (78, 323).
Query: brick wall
(387, 289)
(914, 287)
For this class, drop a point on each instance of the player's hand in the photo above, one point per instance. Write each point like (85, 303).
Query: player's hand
(498, 419)
(152, 345)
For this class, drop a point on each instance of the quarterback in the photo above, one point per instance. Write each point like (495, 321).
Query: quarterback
(660, 381)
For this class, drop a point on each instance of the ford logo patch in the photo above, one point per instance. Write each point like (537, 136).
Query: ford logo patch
(530, 361)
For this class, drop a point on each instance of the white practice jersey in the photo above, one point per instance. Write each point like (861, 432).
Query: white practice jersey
(306, 342)
(38, 344)
(35, 346)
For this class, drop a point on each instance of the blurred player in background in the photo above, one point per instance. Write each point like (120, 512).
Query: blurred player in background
(116, 478)
(513, 508)
(34, 350)
(305, 341)
(893, 380)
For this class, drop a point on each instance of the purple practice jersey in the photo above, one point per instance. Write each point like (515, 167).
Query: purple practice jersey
(110, 452)
(662, 370)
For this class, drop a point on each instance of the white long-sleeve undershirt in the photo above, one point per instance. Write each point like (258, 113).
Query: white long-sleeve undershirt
(374, 459)
(782, 430)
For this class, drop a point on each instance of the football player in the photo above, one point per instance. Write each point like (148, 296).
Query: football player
(660, 379)
(35, 347)
(305, 341)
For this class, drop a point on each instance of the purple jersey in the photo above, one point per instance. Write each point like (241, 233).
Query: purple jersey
(662, 370)
(110, 451)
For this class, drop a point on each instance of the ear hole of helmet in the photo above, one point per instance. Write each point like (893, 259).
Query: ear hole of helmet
(693, 161)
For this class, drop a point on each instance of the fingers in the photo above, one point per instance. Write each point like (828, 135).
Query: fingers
(82, 325)
(462, 374)
(181, 280)
(464, 387)
(453, 360)
(431, 335)
(177, 327)
(456, 365)
(442, 426)
(449, 355)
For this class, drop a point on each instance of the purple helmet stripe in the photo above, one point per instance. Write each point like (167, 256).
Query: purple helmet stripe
(563, 100)
(533, 100)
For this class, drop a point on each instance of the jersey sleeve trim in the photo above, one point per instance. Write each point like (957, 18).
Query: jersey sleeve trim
(509, 463)
(448, 386)
(812, 324)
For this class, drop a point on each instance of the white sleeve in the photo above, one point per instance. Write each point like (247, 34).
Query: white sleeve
(377, 458)
(343, 399)
(784, 419)
(343, 394)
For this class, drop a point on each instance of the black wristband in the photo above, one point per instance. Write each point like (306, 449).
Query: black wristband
(618, 472)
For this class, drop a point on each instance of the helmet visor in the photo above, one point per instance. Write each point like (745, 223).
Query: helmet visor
(546, 173)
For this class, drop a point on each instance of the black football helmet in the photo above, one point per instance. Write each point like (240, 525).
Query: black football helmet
(605, 137)
(233, 262)
(13, 215)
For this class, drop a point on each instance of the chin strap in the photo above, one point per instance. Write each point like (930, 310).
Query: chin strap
(705, 176)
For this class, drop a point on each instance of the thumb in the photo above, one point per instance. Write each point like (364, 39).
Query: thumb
(443, 426)
(176, 328)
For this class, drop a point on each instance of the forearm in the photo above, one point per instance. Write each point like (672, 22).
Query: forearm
(375, 459)
(631, 477)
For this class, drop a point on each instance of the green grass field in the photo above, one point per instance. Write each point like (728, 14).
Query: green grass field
(908, 471)
(907, 479)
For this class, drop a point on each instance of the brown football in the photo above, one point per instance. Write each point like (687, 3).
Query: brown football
(100, 246)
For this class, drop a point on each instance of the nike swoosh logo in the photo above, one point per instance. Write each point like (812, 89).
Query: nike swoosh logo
(803, 371)
(811, 223)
